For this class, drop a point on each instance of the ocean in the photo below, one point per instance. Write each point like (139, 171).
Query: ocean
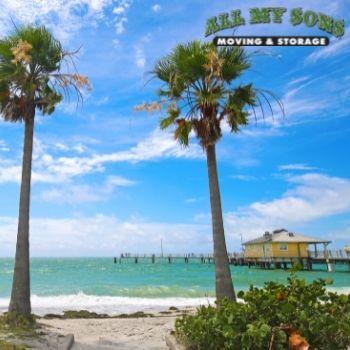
(99, 285)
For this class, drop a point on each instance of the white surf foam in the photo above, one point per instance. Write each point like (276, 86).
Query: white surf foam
(339, 290)
(113, 305)
(110, 305)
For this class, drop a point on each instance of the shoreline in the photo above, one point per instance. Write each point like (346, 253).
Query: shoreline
(110, 305)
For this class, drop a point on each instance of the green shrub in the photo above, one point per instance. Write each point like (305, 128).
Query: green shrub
(322, 317)
(18, 321)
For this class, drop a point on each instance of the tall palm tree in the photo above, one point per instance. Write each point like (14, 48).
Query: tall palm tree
(30, 80)
(200, 96)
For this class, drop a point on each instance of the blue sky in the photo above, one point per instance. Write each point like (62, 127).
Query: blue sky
(106, 180)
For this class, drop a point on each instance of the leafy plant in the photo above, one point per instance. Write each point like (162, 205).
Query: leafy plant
(322, 317)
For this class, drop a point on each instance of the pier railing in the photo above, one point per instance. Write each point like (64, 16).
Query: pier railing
(331, 254)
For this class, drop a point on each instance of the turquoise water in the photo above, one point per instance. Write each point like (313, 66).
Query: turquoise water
(89, 282)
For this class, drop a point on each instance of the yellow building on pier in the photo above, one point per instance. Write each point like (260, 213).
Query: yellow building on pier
(281, 244)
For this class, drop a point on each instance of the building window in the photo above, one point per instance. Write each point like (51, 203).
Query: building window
(283, 247)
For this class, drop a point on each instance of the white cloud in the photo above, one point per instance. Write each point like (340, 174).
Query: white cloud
(79, 148)
(243, 177)
(313, 196)
(300, 104)
(119, 25)
(47, 168)
(115, 42)
(117, 181)
(71, 195)
(105, 236)
(140, 58)
(337, 47)
(10, 174)
(296, 166)
(60, 146)
(156, 8)
(3, 146)
(64, 18)
(341, 234)
(193, 200)
(102, 101)
(75, 194)
(298, 80)
(120, 12)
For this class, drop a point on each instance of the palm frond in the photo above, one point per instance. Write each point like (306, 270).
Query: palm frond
(31, 62)
(199, 79)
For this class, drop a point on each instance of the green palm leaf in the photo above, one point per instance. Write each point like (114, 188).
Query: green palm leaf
(199, 81)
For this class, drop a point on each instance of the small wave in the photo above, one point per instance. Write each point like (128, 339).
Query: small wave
(110, 305)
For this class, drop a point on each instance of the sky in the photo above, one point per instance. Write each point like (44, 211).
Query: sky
(106, 180)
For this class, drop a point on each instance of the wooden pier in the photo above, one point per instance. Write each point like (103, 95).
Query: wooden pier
(328, 258)
(170, 258)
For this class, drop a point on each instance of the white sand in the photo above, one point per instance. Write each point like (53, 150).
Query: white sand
(115, 333)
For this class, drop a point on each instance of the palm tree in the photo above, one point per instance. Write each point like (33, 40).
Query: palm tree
(199, 96)
(31, 80)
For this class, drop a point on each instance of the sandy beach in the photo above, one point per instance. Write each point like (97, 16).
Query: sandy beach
(123, 332)
(105, 334)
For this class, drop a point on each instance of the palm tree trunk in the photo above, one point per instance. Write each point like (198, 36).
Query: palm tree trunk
(223, 281)
(20, 295)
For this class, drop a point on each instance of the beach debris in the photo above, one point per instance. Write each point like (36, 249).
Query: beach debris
(295, 340)
(67, 342)
(173, 308)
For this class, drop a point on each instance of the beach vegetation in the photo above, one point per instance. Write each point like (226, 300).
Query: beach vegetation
(32, 81)
(14, 321)
(17, 329)
(73, 314)
(260, 321)
(200, 96)
(6, 345)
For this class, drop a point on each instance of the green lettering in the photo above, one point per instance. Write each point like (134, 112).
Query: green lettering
(212, 26)
(296, 16)
(310, 18)
(338, 28)
(224, 21)
(261, 15)
(277, 13)
(325, 23)
(237, 19)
